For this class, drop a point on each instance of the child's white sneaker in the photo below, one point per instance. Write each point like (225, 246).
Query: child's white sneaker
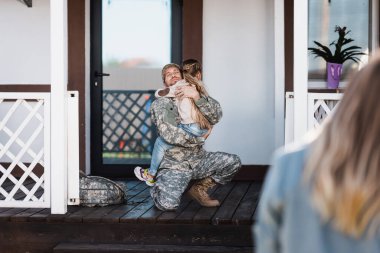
(143, 175)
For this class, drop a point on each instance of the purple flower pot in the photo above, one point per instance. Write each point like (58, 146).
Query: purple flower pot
(334, 71)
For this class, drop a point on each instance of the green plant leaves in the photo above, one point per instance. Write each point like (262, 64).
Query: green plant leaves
(340, 55)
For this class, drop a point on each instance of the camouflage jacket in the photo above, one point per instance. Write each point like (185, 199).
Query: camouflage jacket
(188, 149)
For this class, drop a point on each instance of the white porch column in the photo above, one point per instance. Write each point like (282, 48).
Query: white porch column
(58, 44)
(279, 65)
(300, 68)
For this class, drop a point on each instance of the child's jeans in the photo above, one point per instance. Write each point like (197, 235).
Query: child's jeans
(160, 146)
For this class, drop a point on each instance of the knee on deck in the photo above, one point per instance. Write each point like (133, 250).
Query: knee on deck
(235, 161)
(162, 205)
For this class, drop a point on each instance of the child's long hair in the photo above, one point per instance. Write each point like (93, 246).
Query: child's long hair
(192, 68)
(344, 164)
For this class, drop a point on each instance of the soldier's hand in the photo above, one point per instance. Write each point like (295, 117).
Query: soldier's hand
(187, 92)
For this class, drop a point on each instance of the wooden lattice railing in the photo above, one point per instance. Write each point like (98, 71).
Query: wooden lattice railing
(24, 149)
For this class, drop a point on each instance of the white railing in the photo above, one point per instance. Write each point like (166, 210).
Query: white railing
(289, 117)
(24, 149)
(320, 105)
(73, 148)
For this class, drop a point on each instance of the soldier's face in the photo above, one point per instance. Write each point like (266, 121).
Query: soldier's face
(172, 75)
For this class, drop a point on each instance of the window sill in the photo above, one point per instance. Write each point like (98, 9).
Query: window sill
(323, 85)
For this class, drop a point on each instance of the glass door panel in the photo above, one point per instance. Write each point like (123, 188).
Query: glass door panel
(136, 37)
(131, 40)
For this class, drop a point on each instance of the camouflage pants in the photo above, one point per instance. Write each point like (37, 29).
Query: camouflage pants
(171, 183)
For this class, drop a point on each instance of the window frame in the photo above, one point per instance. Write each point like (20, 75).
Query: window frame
(373, 43)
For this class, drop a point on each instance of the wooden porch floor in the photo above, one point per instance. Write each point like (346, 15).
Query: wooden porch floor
(137, 226)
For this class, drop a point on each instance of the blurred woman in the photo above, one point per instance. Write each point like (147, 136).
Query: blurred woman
(324, 196)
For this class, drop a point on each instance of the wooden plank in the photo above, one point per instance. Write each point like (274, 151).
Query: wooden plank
(3, 209)
(150, 216)
(140, 209)
(154, 215)
(133, 215)
(227, 209)
(140, 222)
(25, 88)
(46, 236)
(245, 211)
(5, 216)
(132, 183)
(24, 215)
(40, 216)
(115, 215)
(205, 214)
(166, 217)
(78, 215)
(96, 247)
(141, 186)
(62, 217)
(187, 215)
(257, 198)
(98, 214)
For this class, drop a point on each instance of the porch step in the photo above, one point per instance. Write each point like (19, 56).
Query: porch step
(122, 248)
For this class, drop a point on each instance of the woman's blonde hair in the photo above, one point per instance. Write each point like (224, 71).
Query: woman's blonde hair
(344, 163)
(191, 68)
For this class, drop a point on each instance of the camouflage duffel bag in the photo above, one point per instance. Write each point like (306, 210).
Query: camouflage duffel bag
(100, 191)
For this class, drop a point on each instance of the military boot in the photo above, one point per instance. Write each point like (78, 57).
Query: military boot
(199, 193)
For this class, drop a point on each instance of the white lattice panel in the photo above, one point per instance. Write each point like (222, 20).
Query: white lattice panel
(24, 149)
(320, 106)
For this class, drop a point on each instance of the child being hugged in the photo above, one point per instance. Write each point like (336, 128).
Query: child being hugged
(192, 120)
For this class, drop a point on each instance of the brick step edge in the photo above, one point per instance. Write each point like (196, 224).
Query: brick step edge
(99, 248)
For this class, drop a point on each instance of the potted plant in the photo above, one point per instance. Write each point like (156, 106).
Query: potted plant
(335, 61)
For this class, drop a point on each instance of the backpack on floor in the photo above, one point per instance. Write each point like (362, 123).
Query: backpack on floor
(100, 191)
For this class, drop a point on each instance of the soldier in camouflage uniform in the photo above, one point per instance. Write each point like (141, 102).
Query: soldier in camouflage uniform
(187, 160)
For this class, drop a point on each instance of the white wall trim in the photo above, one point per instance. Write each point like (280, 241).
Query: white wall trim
(300, 68)
(279, 66)
(58, 40)
(73, 148)
(375, 26)
(289, 118)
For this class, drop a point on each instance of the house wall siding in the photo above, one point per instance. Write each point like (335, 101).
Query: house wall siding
(25, 42)
(238, 61)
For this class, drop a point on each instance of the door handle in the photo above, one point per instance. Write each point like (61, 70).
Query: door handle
(98, 74)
